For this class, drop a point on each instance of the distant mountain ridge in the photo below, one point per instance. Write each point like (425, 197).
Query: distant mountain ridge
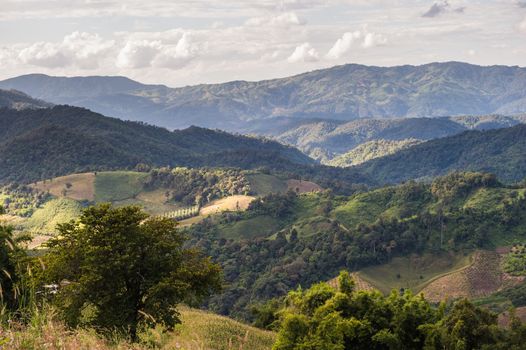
(325, 140)
(346, 92)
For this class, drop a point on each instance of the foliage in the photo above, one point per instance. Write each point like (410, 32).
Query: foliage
(21, 200)
(12, 257)
(119, 270)
(514, 262)
(325, 318)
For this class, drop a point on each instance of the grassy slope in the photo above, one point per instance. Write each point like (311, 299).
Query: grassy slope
(199, 330)
(203, 330)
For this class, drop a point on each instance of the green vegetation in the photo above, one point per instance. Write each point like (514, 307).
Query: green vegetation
(123, 272)
(514, 262)
(197, 186)
(118, 185)
(21, 200)
(325, 318)
(371, 150)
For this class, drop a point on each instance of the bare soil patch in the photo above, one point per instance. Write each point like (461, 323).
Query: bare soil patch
(75, 186)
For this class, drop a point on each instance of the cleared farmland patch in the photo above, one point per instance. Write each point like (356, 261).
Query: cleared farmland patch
(76, 186)
(231, 203)
(481, 278)
(412, 272)
(301, 186)
(118, 185)
(263, 184)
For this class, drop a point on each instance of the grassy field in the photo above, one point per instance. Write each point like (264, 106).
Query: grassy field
(118, 185)
(263, 184)
(75, 186)
(413, 272)
(259, 226)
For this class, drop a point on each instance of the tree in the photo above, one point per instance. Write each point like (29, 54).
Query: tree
(120, 269)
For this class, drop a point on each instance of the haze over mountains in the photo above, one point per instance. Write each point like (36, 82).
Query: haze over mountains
(344, 93)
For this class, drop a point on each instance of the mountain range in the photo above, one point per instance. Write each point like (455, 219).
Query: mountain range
(344, 93)
(325, 140)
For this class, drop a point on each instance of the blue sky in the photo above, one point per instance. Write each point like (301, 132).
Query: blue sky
(207, 41)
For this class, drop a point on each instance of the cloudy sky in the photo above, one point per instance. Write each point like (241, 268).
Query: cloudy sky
(184, 42)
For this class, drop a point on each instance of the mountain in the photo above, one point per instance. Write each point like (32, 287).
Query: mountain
(44, 143)
(500, 151)
(18, 100)
(344, 92)
(325, 140)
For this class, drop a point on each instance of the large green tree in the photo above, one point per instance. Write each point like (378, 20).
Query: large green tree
(119, 269)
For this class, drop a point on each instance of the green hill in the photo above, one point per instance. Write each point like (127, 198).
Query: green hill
(501, 151)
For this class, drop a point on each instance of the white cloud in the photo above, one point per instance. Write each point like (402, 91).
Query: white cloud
(282, 19)
(138, 54)
(163, 52)
(522, 25)
(363, 37)
(77, 49)
(304, 53)
(343, 44)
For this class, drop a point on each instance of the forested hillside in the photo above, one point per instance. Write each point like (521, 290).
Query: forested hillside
(344, 92)
(44, 143)
(283, 241)
(502, 152)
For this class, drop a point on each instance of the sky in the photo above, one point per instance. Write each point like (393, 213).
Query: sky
(188, 42)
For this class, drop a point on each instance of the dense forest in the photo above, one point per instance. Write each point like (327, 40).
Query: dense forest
(314, 236)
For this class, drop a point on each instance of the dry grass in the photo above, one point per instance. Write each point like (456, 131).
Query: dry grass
(199, 331)
(238, 202)
(301, 186)
(82, 186)
(206, 331)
